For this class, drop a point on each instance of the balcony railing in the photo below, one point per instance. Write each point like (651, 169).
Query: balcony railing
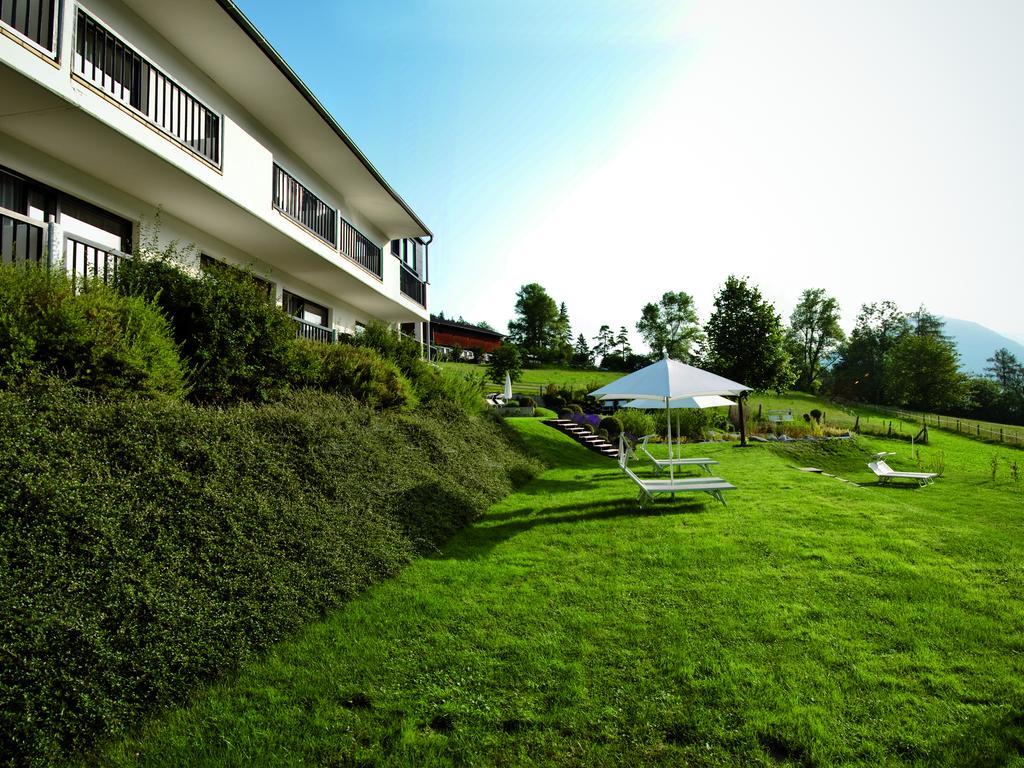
(413, 287)
(313, 332)
(360, 249)
(114, 67)
(86, 260)
(22, 239)
(35, 20)
(298, 203)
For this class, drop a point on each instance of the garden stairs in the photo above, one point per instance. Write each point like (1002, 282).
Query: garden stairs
(584, 437)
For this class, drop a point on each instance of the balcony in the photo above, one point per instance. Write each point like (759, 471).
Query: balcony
(22, 239)
(109, 64)
(413, 287)
(304, 208)
(35, 21)
(356, 247)
(313, 332)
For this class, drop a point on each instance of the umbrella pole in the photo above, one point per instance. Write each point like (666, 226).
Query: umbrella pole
(671, 467)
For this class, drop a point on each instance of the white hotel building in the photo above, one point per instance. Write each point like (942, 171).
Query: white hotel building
(113, 110)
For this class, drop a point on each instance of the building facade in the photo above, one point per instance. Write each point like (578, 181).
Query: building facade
(472, 341)
(128, 122)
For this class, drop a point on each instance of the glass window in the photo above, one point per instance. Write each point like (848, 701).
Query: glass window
(304, 309)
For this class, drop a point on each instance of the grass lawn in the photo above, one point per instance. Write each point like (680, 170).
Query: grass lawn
(532, 378)
(810, 622)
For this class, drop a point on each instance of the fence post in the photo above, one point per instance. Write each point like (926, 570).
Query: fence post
(54, 245)
(958, 425)
(1000, 434)
(979, 429)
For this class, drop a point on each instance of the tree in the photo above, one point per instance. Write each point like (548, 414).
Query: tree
(924, 323)
(814, 333)
(858, 374)
(485, 325)
(505, 359)
(622, 345)
(671, 326)
(604, 343)
(1005, 369)
(923, 372)
(536, 326)
(746, 341)
(582, 357)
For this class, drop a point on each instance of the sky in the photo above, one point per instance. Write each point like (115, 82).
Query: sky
(612, 151)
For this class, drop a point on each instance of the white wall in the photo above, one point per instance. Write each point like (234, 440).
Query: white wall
(248, 149)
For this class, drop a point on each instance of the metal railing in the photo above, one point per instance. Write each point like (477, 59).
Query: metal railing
(86, 260)
(35, 20)
(110, 64)
(413, 287)
(22, 239)
(360, 249)
(303, 207)
(313, 332)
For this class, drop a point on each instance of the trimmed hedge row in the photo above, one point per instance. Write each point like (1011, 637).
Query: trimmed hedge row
(146, 546)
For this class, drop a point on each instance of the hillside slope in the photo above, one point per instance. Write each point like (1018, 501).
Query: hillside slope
(976, 343)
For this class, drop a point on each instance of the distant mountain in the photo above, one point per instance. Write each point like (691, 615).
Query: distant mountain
(976, 343)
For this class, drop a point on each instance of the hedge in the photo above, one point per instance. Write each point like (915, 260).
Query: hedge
(148, 546)
(118, 346)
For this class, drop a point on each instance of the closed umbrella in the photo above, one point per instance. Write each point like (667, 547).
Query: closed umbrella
(508, 387)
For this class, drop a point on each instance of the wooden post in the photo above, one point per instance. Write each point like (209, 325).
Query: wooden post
(743, 421)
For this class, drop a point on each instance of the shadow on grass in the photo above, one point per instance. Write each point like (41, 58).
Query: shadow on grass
(478, 541)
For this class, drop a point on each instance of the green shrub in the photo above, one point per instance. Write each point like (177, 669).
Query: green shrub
(692, 423)
(575, 407)
(636, 422)
(512, 404)
(392, 345)
(239, 345)
(96, 339)
(601, 432)
(612, 425)
(565, 413)
(360, 373)
(554, 402)
(148, 546)
(527, 402)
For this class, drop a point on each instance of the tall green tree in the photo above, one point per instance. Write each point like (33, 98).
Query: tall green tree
(746, 340)
(604, 343)
(582, 357)
(622, 345)
(814, 334)
(671, 326)
(924, 323)
(1006, 369)
(923, 372)
(859, 374)
(535, 329)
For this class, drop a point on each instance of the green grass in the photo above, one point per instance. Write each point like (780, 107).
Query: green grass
(811, 622)
(534, 378)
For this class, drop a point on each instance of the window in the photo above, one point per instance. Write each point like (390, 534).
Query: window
(396, 248)
(76, 217)
(304, 309)
(210, 264)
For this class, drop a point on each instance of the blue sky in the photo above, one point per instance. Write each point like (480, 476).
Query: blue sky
(612, 151)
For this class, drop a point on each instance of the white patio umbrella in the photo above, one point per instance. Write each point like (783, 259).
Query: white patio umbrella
(508, 387)
(667, 381)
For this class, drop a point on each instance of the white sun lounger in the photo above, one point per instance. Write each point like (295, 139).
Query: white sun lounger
(660, 465)
(649, 488)
(885, 474)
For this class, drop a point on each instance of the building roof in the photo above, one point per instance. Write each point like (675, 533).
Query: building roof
(264, 45)
(436, 321)
(219, 39)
